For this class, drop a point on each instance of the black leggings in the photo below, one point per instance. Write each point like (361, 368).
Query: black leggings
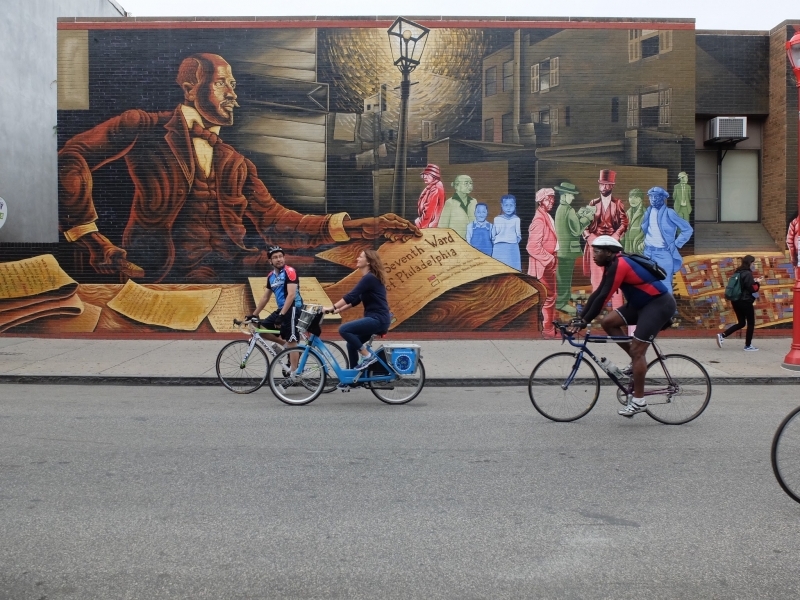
(745, 313)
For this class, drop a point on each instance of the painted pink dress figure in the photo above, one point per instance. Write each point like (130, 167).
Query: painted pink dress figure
(609, 219)
(793, 243)
(543, 250)
(431, 200)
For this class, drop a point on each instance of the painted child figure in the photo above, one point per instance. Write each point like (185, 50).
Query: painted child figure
(479, 231)
(507, 234)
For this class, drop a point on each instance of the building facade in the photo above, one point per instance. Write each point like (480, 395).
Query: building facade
(167, 185)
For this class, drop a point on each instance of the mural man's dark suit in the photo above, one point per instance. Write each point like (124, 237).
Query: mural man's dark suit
(193, 194)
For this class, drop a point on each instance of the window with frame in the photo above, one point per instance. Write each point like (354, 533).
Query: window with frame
(508, 128)
(508, 76)
(646, 43)
(650, 108)
(429, 131)
(488, 130)
(545, 75)
(546, 117)
(490, 81)
(633, 111)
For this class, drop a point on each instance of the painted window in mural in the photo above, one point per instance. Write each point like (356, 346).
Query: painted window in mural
(491, 81)
(200, 148)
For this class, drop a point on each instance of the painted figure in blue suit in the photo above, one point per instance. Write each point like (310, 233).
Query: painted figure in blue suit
(660, 225)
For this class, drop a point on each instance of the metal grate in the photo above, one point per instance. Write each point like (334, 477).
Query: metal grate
(730, 127)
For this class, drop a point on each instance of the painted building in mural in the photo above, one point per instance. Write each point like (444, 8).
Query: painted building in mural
(186, 148)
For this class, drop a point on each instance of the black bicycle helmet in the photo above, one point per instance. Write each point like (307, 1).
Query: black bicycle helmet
(273, 249)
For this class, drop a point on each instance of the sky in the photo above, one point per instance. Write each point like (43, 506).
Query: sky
(709, 14)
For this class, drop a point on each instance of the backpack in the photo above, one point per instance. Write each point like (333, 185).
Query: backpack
(733, 291)
(649, 265)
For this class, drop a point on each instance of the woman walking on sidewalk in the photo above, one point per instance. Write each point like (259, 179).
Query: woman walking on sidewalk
(744, 306)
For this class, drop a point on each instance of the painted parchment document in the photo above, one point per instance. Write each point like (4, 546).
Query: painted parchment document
(183, 310)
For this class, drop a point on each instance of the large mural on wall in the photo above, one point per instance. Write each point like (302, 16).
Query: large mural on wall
(184, 152)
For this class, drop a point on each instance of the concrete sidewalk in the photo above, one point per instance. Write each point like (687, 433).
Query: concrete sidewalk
(453, 362)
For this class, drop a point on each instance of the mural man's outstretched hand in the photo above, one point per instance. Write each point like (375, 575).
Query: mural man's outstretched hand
(390, 226)
(108, 259)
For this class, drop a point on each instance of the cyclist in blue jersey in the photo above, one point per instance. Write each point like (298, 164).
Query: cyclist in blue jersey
(284, 283)
(649, 306)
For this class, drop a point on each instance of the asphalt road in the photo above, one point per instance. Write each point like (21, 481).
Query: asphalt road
(150, 493)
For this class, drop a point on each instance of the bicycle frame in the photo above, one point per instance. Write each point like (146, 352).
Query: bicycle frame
(627, 386)
(346, 376)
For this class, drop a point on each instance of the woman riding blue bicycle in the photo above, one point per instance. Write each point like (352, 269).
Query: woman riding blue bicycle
(371, 291)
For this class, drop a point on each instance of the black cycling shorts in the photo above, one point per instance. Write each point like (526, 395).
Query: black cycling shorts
(288, 324)
(651, 318)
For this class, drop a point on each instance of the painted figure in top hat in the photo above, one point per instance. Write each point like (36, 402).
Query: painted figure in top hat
(609, 219)
(431, 200)
(660, 225)
(569, 227)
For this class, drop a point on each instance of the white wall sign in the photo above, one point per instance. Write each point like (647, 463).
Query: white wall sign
(3, 212)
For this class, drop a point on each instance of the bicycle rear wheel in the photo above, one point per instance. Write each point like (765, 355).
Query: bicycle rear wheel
(676, 391)
(786, 454)
(332, 379)
(552, 399)
(402, 390)
(306, 385)
(237, 375)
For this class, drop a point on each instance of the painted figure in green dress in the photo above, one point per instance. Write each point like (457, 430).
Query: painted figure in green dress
(633, 239)
(682, 198)
(569, 226)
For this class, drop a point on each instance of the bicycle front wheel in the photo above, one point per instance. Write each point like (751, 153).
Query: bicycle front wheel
(558, 400)
(237, 374)
(403, 389)
(677, 390)
(305, 386)
(786, 454)
(332, 379)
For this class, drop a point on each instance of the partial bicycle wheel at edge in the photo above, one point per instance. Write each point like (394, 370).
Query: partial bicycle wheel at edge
(551, 395)
(682, 396)
(402, 390)
(786, 454)
(237, 375)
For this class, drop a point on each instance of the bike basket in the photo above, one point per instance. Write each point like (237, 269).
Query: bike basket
(308, 314)
(402, 357)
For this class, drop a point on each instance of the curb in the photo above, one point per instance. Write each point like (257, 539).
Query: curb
(431, 382)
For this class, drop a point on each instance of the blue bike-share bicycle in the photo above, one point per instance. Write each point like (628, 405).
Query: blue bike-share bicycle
(397, 377)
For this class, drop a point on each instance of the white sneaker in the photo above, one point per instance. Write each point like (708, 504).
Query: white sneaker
(720, 340)
(750, 349)
(632, 408)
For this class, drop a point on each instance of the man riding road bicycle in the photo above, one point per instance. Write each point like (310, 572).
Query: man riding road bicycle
(284, 282)
(649, 306)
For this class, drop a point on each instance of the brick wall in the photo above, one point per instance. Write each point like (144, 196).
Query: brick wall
(776, 146)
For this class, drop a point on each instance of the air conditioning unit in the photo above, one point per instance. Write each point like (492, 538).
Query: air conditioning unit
(726, 128)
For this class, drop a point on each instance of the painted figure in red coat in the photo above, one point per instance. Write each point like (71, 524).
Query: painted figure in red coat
(543, 250)
(194, 195)
(431, 200)
(609, 219)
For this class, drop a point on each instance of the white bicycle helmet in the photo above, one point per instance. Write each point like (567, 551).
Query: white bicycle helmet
(606, 242)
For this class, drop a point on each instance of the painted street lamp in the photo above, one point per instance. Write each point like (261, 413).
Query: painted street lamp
(407, 40)
(792, 360)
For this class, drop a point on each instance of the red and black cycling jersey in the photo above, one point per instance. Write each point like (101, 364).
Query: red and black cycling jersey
(638, 286)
